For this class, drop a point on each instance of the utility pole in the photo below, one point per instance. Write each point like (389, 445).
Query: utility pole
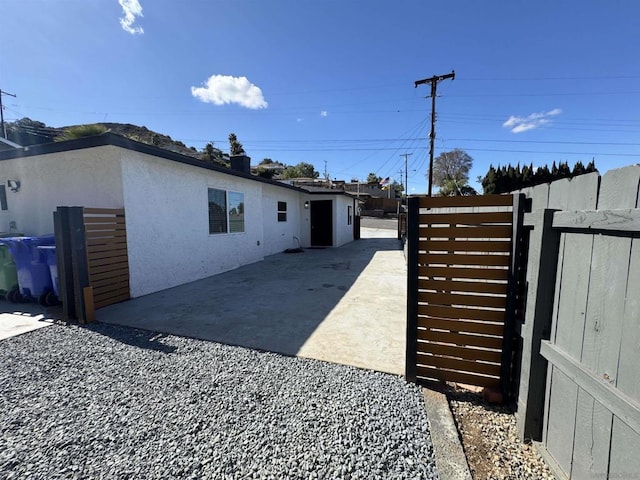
(434, 85)
(406, 170)
(4, 130)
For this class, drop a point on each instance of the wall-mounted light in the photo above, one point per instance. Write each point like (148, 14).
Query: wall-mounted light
(306, 204)
(14, 185)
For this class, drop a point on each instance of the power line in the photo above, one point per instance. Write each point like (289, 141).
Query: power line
(391, 140)
(537, 79)
(559, 142)
(401, 147)
(416, 128)
(618, 154)
(561, 94)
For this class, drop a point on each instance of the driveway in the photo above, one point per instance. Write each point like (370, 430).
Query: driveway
(19, 318)
(343, 305)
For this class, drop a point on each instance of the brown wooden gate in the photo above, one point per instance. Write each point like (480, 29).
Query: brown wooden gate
(107, 260)
(461, 288)
(93, 266)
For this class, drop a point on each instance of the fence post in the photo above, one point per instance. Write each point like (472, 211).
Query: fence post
(79, 260)
(63, 259)
(519, 203)
(413, 235)
(544, 244)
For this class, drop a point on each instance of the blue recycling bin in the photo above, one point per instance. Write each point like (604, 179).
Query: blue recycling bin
(49, 252)
(34, 276)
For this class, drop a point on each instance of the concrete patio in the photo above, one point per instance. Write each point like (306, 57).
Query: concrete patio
(344, 305)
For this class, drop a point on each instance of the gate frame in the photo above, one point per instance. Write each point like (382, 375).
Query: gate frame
(507, 368)
(76, 292)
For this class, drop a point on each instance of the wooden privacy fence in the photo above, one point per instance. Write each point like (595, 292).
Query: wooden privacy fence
(93, 265)
(461, 265)
(580, 381)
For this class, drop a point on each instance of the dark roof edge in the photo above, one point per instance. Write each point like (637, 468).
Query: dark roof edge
(109, 138)
(327, 192)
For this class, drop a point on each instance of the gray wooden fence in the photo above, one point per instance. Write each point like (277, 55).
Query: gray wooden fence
(579, 390)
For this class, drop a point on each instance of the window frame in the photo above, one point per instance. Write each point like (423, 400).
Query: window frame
(229, 208)
(229, 204)
(282, 211)
(4, 205)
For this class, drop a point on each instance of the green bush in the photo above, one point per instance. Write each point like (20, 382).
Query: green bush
(80, 131)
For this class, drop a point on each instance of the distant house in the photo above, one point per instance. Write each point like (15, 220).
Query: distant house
(274, 168)
(370, 189)
(185, 219)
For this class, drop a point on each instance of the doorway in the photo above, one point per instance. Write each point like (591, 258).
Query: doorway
(321, 223)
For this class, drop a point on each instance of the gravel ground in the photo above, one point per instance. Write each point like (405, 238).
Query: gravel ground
(111, 402)
(490, 440)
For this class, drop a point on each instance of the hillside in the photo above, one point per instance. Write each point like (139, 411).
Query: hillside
(28, 132)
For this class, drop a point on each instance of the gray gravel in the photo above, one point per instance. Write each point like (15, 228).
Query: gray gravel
(113, 402)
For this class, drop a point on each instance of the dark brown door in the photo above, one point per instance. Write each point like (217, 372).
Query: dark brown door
(321, 223)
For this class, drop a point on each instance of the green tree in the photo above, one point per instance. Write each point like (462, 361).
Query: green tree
(235, 147)
(508, 178)
(578, 169)
(489, 181)
(27, 123)
(452, 189)
(373, 178)
(451, 173)
(563, 170)
(209, 151)
(264, 173)
(301, 170)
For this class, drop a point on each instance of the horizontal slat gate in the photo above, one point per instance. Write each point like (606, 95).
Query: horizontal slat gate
(107, 258)
(459, 277)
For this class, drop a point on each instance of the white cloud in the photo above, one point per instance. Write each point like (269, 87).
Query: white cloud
(131, 10)
(299, 120)
(522, 124)
(223, 89)
(324, 113)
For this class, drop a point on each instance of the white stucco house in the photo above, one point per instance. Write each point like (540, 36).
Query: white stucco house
(185, 219)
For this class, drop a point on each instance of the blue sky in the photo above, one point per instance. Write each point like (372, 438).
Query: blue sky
(333, 81)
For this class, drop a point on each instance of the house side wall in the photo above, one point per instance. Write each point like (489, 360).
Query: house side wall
(168, 223)
(89, 177)
(343, 230)
(166, 204)
(278, 236)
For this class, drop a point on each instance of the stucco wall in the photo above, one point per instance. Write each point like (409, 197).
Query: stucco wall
(278, 236)
(168, 223)
(343, 231)
(90, 177)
